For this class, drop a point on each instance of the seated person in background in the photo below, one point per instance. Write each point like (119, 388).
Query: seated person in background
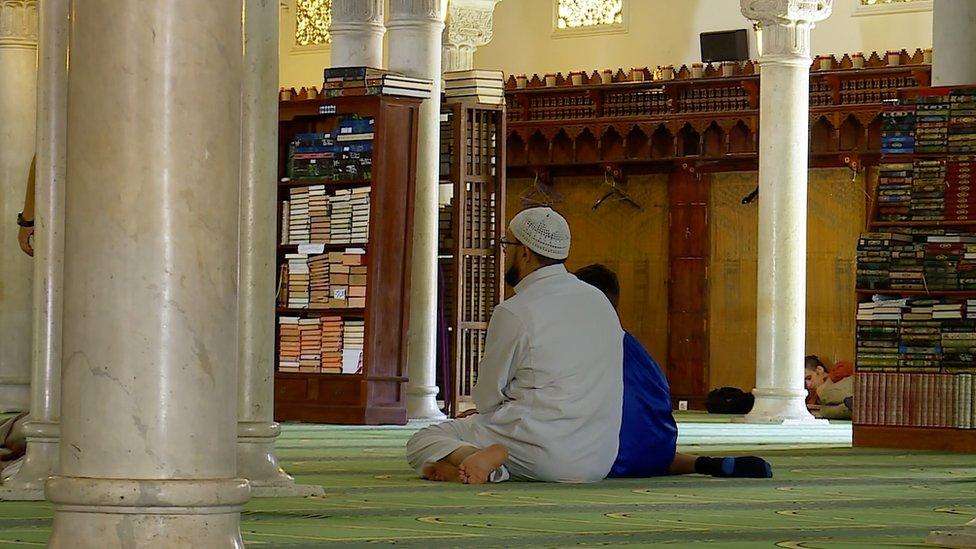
(648, 433)
(832, 389)
(550, 388)
(12, 441)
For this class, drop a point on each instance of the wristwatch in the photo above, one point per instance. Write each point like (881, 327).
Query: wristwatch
(23, 222)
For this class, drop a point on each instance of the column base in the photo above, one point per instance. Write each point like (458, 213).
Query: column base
(781, 407)
(26, 483)
(110, 513)
(422, 402)
(14, 397)
(257, 462)
(962, 537)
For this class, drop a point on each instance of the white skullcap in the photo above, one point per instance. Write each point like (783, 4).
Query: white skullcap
(543, 231)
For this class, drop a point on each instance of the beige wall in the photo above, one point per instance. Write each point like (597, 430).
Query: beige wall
(659, 32)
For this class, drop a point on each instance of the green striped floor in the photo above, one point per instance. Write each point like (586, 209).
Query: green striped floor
(824, 495)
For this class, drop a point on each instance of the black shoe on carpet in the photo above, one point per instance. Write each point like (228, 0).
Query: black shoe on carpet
(734, 467)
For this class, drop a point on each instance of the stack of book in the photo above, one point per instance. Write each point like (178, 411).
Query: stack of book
(971, 309)
(299, 226)
(483, 86)
(928, 190)
(919, 347)
(447, 146)
(355, 139)
(915, 399)
(285, 220)
(298, 279)
(445, 227)
(885, 310)
(962, 121)
(289, 344)
(318, 212)
(959, 344)
(312, 156)
(332, 344)
(355, 260)
(931, 123)
(898, 128)
(357, 81)
(895, 189)
(359, 215)
(310, 332)
(318, 272)
(960, 194)
(353, 340)
(341, 217)
(907, 266)
(874, 258)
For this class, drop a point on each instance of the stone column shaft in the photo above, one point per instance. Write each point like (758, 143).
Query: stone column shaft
(415, 28)
(357, 33)
(954, 40)
(149, 400)
(953, 43)
(256, 428)
(18, 97)
(783, 149)
(42, 430)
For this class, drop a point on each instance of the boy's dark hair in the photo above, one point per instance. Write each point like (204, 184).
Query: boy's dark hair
(603, 279)
(810, 362)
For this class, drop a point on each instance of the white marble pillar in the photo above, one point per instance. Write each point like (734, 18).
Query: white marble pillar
(783, 149)
(18, 97)
(953, 43)
(357, 33)
(415, 29)
(468, 27)
(149, 394)
(42, 430)
(256, 428)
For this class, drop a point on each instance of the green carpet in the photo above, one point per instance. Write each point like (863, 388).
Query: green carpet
(822, 496)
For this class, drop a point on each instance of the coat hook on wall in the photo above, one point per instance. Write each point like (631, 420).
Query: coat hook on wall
(613, 177)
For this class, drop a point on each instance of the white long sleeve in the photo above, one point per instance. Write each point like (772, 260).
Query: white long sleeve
(506, 347)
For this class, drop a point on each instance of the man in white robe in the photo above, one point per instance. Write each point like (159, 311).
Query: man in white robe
(550, 385)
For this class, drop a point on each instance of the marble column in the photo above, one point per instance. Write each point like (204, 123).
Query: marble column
(357, 33)
(468, 27)
(783, 149)
(256, 428)
(953, 43)
(18, 97)
(149, 393)
(42, 430)
(954, 40)
(415, 29)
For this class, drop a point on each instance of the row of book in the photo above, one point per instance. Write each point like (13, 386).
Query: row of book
(324, 281)
(915, 400)
(341, 155)
(924, 259)
(482, 86)
(927, 189)
(332, 345)
(359, 81)
(931, 124)
(445, 226)
(311, 216)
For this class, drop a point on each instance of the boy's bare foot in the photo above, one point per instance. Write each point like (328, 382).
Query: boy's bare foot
(441, 472)
(476, 467)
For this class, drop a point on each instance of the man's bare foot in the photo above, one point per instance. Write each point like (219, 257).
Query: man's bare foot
(476, 467)
(441, 472)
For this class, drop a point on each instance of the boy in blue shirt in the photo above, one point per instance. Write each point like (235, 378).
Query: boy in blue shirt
(648, 433)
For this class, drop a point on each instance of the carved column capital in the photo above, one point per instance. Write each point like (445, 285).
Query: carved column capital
(409, 12)
(356, 13)
(18, 23)
(786, 24)
(468, 27)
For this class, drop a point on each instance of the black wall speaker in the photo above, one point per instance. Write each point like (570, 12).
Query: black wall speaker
(725, 46)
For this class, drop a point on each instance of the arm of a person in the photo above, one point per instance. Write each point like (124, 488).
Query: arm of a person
(506, 344)
(24, 236)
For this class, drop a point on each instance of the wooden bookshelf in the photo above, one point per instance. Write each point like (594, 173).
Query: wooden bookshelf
(376, 395)
(907, 405)
(474, 155)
